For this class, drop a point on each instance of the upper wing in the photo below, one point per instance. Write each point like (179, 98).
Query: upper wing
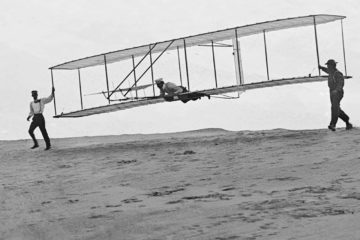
(199, 39)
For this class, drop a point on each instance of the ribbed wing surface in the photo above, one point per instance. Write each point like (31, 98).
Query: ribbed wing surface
(195, 40)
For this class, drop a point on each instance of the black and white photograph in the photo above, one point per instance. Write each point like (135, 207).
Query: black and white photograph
(179, 120)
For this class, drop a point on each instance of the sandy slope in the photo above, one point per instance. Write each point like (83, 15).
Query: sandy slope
(209, 184)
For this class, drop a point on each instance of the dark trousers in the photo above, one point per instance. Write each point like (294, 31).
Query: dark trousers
(39, 121)
(336, 112)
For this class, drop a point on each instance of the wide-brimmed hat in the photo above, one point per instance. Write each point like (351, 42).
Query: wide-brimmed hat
(331, 62)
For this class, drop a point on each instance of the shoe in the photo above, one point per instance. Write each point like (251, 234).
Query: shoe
(47, 148)
(35, 146)
(332, 128)
(349, 126)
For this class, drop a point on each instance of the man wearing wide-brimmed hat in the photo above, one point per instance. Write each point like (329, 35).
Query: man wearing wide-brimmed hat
(36, 112)
(336, 85)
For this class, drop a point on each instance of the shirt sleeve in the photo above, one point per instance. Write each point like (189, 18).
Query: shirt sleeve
(31, 113)
(48, 99)
(174, 88)
(324, 69)
(339, 78)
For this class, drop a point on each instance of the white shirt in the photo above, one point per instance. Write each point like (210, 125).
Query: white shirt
(38, 106)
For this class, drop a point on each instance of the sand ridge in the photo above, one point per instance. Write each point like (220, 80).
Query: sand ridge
(206, 184)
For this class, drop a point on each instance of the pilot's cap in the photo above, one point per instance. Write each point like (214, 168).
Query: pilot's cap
(159, 80)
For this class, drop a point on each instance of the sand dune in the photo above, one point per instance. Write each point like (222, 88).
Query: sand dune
(205, 184)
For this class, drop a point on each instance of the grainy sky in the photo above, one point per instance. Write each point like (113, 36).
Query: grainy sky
(38, 34)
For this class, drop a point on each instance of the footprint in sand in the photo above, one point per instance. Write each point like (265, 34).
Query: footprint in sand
(64, 166)
(228, 238)
(45, 202)
(188, 152)
(35, 210)
(267, 226)
(219, 196)
(284, 179)
(123, 162)
(131, 200)
(164, 193)
(98, 216)
(228, 188)
(73, 200)
(113, 206)
(175, 202)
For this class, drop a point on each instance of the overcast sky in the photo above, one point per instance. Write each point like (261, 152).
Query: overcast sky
(38, 34)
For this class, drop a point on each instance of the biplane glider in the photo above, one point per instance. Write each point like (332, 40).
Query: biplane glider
(155, 51)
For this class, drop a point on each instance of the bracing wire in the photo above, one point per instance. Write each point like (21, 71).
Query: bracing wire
(224, 97)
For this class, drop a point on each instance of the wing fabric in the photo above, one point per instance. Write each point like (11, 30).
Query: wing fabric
(195, 40)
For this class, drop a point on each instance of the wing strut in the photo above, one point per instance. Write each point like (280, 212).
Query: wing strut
(107, 78)
(149, 66)
(179, 63)
(133, 62)
(112, 92)
(343, 45)
(317, 46)
(238, 69)
(186, 65)
(266, 57)
(152, 71)
(214, 64)
(52, 82)
(81, 99)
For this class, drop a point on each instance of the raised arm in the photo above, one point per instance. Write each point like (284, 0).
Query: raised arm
(324, 69)
(49, 98)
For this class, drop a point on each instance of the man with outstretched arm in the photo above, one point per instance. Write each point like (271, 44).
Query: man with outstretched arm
(336, 85)
(36, 109)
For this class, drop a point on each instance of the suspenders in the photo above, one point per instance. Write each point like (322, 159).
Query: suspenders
(39, 101)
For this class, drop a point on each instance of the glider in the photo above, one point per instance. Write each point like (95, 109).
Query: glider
(150, 54)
